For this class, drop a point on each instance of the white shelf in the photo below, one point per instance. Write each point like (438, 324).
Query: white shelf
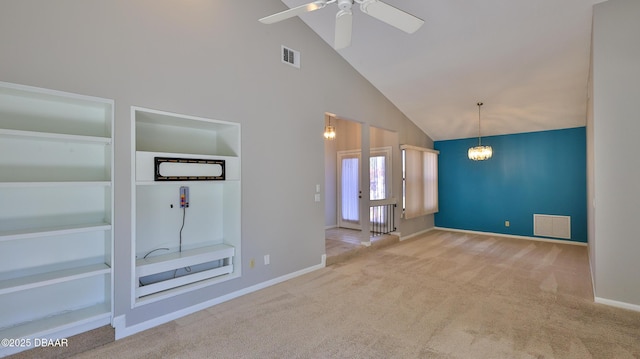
(50, 136)
(183, 280)
(189, 155)
(160, 131)
(179, 260)
(170, 261)
(39, 280)
(56, 175)
(36, 184)
(99, 313)
(214, 210)
(32, 109)
(52, 231)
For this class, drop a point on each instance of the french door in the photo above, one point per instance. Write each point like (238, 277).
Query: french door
(380, 184)
(349, 185)
(349, 192)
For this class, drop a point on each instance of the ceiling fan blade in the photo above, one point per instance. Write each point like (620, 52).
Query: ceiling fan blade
(344, 21)
(392, 16)
(299, 10)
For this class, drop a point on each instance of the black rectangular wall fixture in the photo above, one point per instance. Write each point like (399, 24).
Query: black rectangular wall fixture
(188, 169)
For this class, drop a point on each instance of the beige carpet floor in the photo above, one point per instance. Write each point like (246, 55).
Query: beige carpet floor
(443, 295)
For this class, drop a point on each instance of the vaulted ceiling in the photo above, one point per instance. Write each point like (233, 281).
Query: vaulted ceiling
(526, 60)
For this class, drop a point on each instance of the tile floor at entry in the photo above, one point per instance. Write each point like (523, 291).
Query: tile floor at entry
(342, 243)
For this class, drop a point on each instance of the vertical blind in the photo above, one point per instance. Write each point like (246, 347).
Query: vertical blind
(420, 168)
(377, 178)
(350, 185)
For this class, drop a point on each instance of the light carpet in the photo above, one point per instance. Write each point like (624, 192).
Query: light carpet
(442, 295)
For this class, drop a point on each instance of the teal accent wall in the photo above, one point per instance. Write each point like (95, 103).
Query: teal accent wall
(536, 172)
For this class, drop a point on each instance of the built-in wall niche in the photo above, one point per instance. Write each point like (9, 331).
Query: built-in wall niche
(187, 203)
(56, 234)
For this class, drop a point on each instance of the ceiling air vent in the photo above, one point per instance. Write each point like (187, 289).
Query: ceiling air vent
(290, 57)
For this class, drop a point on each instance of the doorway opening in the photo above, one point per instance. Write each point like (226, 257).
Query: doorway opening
(360, 207)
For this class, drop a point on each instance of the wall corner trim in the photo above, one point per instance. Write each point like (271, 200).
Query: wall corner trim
(123, 331)
(617, 304)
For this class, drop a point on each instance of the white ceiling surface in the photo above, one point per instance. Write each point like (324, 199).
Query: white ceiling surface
(527, 60)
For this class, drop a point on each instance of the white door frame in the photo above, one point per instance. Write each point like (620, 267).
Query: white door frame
(378, 151)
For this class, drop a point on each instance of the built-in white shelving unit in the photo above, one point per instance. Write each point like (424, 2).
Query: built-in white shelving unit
(178, 249)
(56, 236)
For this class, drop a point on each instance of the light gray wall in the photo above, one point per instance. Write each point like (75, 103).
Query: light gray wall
(616, 125)
(210, 59)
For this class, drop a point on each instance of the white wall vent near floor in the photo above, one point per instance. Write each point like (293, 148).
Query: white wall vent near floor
(552, 226)
(290, 57)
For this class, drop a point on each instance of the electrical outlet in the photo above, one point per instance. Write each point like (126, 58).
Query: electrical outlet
(252, 263)
(507, 223)
(267, 259)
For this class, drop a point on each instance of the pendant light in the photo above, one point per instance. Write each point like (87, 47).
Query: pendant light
(480, 152)
(329, 131)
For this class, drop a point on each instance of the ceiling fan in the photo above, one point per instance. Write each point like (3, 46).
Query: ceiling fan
(375, 8)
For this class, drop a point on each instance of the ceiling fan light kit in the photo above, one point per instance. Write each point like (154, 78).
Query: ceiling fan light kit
(344, 21)
(344, 18)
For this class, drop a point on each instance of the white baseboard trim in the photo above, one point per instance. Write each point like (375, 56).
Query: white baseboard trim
(412, 235)
(617, 304)
(64, 331)
(538, 239)
(123, 331)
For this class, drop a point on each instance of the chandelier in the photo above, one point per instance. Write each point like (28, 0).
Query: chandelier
(329, 131)
(480, 152)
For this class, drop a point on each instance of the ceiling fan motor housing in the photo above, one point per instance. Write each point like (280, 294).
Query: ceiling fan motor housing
(345, 4)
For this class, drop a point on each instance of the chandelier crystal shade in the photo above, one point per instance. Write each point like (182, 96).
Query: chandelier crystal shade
(480, 152)
(329, 131)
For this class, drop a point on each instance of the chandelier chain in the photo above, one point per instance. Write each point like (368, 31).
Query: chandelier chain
(479, 133)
